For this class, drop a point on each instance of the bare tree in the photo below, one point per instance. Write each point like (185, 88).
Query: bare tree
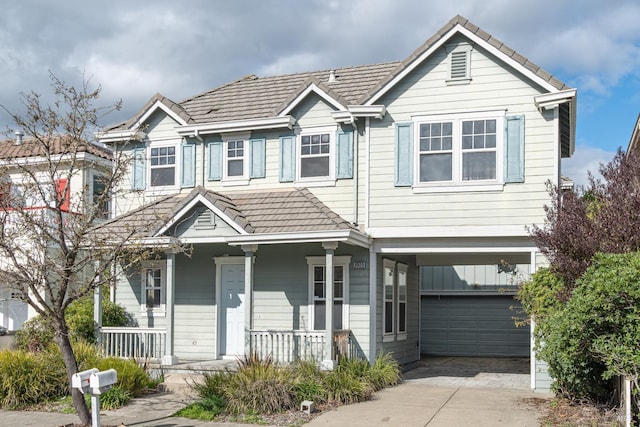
(48, 249)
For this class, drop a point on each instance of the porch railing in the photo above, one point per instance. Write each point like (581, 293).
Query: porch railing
(286, 346)
(143, 343)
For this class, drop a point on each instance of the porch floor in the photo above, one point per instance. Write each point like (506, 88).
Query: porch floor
(199, 366)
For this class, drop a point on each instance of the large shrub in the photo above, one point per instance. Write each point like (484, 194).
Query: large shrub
(131, 376)
(596, 333)
(36, 334)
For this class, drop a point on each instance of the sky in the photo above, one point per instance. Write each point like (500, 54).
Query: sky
(133, 49)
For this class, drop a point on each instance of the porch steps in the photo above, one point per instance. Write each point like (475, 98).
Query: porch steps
(179, 378)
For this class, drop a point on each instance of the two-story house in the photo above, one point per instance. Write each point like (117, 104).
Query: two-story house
(406, 186)
(33, 176)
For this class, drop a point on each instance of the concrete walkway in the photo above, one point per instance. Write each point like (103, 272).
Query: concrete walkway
(441, 392)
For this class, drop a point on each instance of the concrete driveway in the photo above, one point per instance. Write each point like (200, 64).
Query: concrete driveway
(449, 392)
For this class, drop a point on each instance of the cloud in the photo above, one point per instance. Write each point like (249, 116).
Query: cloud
(586, 159)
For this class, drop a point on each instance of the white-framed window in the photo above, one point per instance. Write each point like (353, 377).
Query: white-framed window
(388, 312)
(317, 292)
(163, 166)
(459, 150)
(235, 158)
(153, 283)
(316, 154)
(402, 301)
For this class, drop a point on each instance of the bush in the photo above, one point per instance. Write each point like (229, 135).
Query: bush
(114, 398)
(308, 382)
(384, 372)
(259, 386)
(595, 334)
(28, 378)
(131, 376)
(36, 334)
(344, 386)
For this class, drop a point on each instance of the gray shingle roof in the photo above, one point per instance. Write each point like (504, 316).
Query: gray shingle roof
(264, 212)
(31, 147)
(254, 97)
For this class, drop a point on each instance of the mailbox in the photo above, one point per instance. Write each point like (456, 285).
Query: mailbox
(99, 382)
(80, 380)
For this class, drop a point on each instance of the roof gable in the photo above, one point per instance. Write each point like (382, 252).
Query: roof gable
(157, 102)
(461, 25)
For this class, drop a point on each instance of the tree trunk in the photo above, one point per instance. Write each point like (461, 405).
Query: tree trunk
(69, 358)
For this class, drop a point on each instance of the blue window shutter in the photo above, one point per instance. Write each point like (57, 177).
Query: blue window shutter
(138, 169)
(188, 173)
(344, 151)
(215, 160)
(514, 149)
(287, 158)
(258, 158)
(404, 155)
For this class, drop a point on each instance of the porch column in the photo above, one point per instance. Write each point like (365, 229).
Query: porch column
(97, 311)
(329, 362)
(169, 358)
(249, 251)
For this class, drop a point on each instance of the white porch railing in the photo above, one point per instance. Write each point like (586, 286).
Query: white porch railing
(286, 346)
(144, 343)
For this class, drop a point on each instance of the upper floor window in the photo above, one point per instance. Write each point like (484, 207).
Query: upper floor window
(99, 196)
(315, 155)
(457, 150)
(163, 166)
(235, 161)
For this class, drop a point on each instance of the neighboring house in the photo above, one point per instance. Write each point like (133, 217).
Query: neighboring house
(408, 185)
(634, 142)
(23, 156)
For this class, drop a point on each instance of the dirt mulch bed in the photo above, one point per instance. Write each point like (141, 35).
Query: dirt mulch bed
(561, 412)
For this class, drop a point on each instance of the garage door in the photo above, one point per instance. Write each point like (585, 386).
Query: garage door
(471, 326)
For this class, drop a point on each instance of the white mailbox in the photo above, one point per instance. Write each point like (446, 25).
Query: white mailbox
(99, 382)
(80, 380)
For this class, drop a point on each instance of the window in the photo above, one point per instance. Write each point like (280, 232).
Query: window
(153, 286)
(389, 294)
(402, 301)
(163, 166)
(99, 198)
(315, 151)
(235, 159)
(318, 282)
(459, 150)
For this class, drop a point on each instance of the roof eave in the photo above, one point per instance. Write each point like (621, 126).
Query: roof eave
(237, 126)
(359, 111)
(351, 237)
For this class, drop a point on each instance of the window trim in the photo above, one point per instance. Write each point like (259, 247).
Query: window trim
(163, 189)
(457, 184)
(316, 181)
(320, 261)
(161, 309)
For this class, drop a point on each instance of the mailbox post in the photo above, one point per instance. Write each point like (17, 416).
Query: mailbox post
(94, 382)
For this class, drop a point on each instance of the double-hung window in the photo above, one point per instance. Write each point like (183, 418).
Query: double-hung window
(153, 280)
(163, 166)
(99, 196)
(235, 166)
(318, 288)
(459, 150)
(402, 301)
(315, 155)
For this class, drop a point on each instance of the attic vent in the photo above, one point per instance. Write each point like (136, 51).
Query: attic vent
(458, 65)
(205, 219)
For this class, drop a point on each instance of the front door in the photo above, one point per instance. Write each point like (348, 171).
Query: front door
(232, 307)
